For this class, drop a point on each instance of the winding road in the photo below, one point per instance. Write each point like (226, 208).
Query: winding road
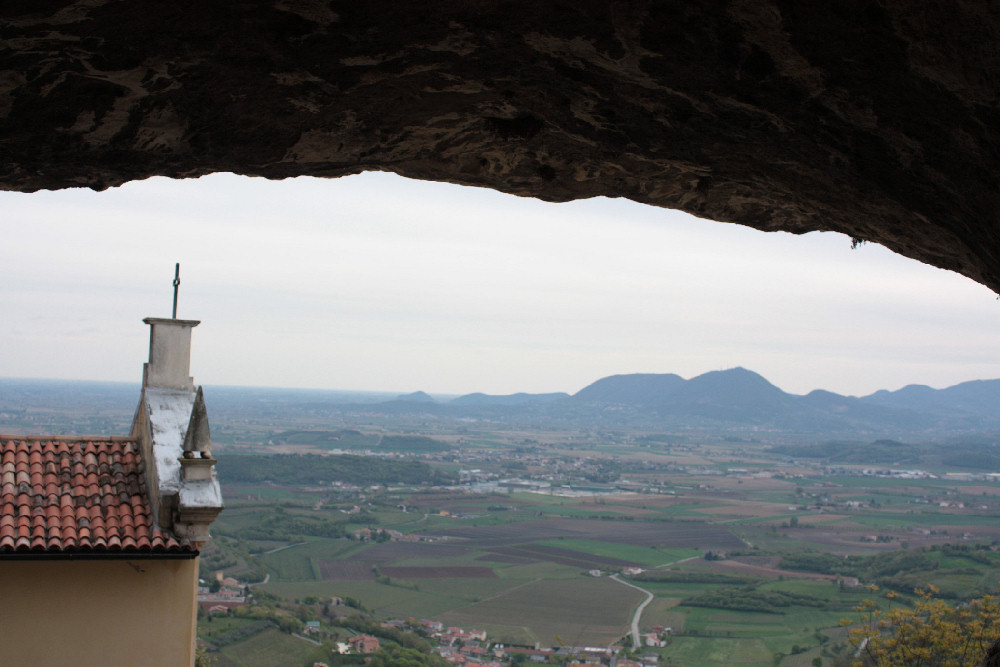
(636, 643)
(637, 616)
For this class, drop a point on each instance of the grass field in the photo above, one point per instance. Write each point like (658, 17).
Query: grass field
(733, 637)
(652, 556)
(301, 561)
(695, 651)
(726, 630)
(386, 600)
(269, 648)
(660, 534)
(566, 611)
(661, 611)
(218, 626)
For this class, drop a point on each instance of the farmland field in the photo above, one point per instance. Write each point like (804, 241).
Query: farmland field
(571, 611)
(660, 534)
(535, 591)
(440, 572)
(515, 564)
(533, 552)
(499, 564)
(720, 651)
(338, 570)
(390, 552)
(269, 648)
(632, 554)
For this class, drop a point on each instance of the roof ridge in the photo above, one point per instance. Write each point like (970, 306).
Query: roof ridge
(71, 438)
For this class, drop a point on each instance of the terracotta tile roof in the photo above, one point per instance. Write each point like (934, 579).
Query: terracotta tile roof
(79, 496)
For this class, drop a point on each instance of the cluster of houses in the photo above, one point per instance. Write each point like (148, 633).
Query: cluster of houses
(457, 646)
(473, 649)
(229, 593)
(573, 656)
(359, 644)
(628, 570)
(657, 636)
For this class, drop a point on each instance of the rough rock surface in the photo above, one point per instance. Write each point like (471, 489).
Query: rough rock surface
(876, 119)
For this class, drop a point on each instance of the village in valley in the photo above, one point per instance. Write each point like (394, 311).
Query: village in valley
(358, 534)
(544, 546)
(455, 645)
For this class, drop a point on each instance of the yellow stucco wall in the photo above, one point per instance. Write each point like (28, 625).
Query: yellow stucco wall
(137, 612)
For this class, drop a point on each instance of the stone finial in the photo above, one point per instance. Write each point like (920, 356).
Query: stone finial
(198, 438)
(169, 364)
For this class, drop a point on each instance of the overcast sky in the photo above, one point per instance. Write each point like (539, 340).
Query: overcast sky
(374, 282)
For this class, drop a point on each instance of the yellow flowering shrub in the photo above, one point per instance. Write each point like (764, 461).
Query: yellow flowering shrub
(930, 634)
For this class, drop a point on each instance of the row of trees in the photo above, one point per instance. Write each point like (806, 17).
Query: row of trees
(748, 598)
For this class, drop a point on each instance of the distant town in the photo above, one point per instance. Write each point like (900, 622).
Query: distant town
(407, 531)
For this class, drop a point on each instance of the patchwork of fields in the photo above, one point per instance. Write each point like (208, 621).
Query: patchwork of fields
(575, 611)
(533, 591)
(519, 566)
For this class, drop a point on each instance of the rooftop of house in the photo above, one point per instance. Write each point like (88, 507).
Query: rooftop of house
(153, 493)
(78, 496)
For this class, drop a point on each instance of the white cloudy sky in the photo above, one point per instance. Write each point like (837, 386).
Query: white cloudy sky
(374, 282)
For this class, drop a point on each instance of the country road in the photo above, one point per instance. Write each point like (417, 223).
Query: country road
(636, 640)
(638, 611)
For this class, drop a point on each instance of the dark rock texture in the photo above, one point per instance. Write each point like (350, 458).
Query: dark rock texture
(876, 119)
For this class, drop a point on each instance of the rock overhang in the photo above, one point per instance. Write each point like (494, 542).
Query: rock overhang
(878, 120)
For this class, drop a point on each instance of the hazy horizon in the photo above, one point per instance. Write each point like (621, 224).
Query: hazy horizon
(448, 395)
(375, 281)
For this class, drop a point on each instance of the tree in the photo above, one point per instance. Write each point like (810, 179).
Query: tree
(399, 656)
(202, 658)
(931, 633)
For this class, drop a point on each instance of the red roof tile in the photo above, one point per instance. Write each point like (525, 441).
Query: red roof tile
(77, 496)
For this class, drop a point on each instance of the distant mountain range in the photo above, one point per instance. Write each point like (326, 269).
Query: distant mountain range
(735, 398)
(722, 401)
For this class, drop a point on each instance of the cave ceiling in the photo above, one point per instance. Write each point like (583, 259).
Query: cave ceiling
(875, 119)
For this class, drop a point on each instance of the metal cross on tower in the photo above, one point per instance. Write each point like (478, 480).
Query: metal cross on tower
(177, 283)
